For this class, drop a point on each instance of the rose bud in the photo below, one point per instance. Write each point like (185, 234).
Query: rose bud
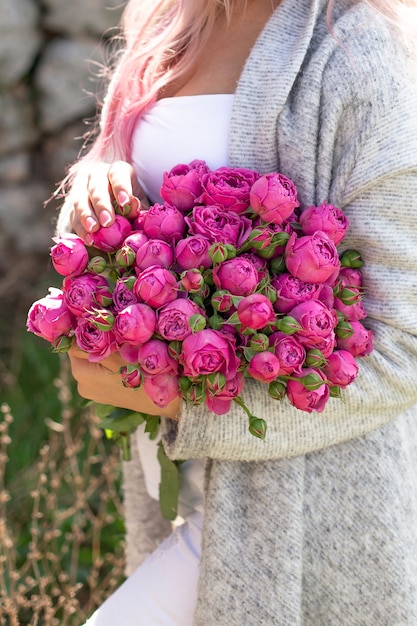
(287, 325)
(273, 197)
(277, 389)
(341, 368)
(257, 427)
(192, 280)
(135, 240)
(239, 276)
(123, 294)
(125, 256)
(360, 342)
(165, 222)
(343, 328)
(353, 312)
(162, 388)
(277, 265)
(326, 218)
(222, 301)
(103, 296)
(181, 186)
(154, 358)
(308, 399)
(259, 342)
(264, 366)
(97, 265)
(290, 352)
(69, 255)
(315, 358)
(80, 291)
(173, 319)
(197, 322)
(50, 317)
(219, 402)
(135, 324)
(99, 344)
(218, 252)
(110, 238)
(103, 319)
(193, 252)
(351, 259)
(131, 376)
(156, 286)
(62, 344)
(154, 252)
(350, 277)
(219, 225)
(312, 258)
(196, 394)
(255, 311)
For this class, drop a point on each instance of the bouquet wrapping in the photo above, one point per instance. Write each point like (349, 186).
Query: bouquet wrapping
(228, 279)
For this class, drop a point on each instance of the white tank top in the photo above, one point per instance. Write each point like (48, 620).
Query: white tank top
(178, 130)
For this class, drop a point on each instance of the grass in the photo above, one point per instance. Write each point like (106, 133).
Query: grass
(61, 529)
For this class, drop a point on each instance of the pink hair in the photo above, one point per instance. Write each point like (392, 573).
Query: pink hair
(161, 40)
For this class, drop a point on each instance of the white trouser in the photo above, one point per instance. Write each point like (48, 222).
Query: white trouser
(163, 590)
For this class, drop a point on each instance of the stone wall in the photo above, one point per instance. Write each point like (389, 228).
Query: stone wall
(49, 51)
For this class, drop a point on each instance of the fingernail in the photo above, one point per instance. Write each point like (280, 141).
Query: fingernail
(90, 223)
(105, 218)
(89, 240)
(122, 198)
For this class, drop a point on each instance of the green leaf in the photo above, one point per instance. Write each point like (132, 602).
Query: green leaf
(122, 420)
(169, 485)
(152, 425)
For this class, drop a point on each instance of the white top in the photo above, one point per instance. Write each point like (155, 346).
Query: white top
(178, 130)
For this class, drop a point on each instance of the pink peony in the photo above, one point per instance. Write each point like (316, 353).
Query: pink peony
(290, 352)
(228, 188)
(156, 286)
(308, 399)
(165, 222)
(274, 197)
(264, 366)
(219, 402)
(292, 291)
(312, 258)
(135, 240)
(255, 311)
(317, 325)
(219, 226)
(239, 276)
(154, 252)
(153, 357)
(122, 294)
(360, 343)
(325, 218)
(135, 324)
(69, 254)
(110, 238)
(50, 317)
(98, 343)
(162, 388)
(341, 368)
(208, 351)
(192, 252)
(80, 292)
(173, 319)
(181, 186)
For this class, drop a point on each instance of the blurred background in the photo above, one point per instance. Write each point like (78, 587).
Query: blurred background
(61, 529)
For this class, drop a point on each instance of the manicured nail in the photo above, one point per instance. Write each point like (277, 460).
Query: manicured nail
(122, 198)
(105, 218)
(90, 223)
(89, 240)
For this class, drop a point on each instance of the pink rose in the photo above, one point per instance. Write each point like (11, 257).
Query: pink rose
(165, 222)
(131, 377)
(110, 238)
(255, 311)
(154, 359)
(290, 352)
(327, 219)
(122, 294)
(308, 399)
(154, 252)
(228, 188)
(341, 368)
(238, 275)
(181, 186)
(353, 312)
(80, 292)
(350, 277)
(220, 401)
(317, 325)
(156, 286)
(173, 320)
(135, 324)
(206, 352)
(49, 317)
(292, 291)
(98, 343)
(192, 252)
(264, 366)
(135, 240)
(273, 197)
(162, 388)
(69, 255)
(219, 226)
(360, 343)
(312, 258)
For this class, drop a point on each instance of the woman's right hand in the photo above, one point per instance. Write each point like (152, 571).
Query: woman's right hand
(93, 196)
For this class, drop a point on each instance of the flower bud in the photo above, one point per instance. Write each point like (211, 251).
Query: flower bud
(103, 297)
(343, 329)
(335, 391)
(131, 376)
(125, 256)
(192, 280)
(277, 389)
(351, 258)
(97, 265)
(102, 319)
(62, 344)
(216, 381)
(197, 322)
(218, 252)
(259, 342)
(257, 427)
(222, 301)
(315, 358)
(311, 381)
(288, 325)
(196, 393)
(184, 383)
(350, 295)
(174, 349)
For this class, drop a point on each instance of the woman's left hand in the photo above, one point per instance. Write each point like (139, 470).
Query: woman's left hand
(101, 383)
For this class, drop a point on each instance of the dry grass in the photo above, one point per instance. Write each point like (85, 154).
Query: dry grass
(61, 535)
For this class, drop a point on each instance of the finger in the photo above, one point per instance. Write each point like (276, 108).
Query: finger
(125, 187)
(100, 197)
(83, 220)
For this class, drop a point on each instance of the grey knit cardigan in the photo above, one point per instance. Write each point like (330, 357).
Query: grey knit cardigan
(318, 525)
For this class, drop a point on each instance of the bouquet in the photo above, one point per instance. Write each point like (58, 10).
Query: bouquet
(226, 280)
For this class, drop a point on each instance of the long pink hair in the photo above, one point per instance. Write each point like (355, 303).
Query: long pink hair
(161, 39)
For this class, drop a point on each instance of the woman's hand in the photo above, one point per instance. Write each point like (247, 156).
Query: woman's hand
(101, 383)
(92, 197)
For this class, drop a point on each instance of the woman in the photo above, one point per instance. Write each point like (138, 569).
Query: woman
(316, 526)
